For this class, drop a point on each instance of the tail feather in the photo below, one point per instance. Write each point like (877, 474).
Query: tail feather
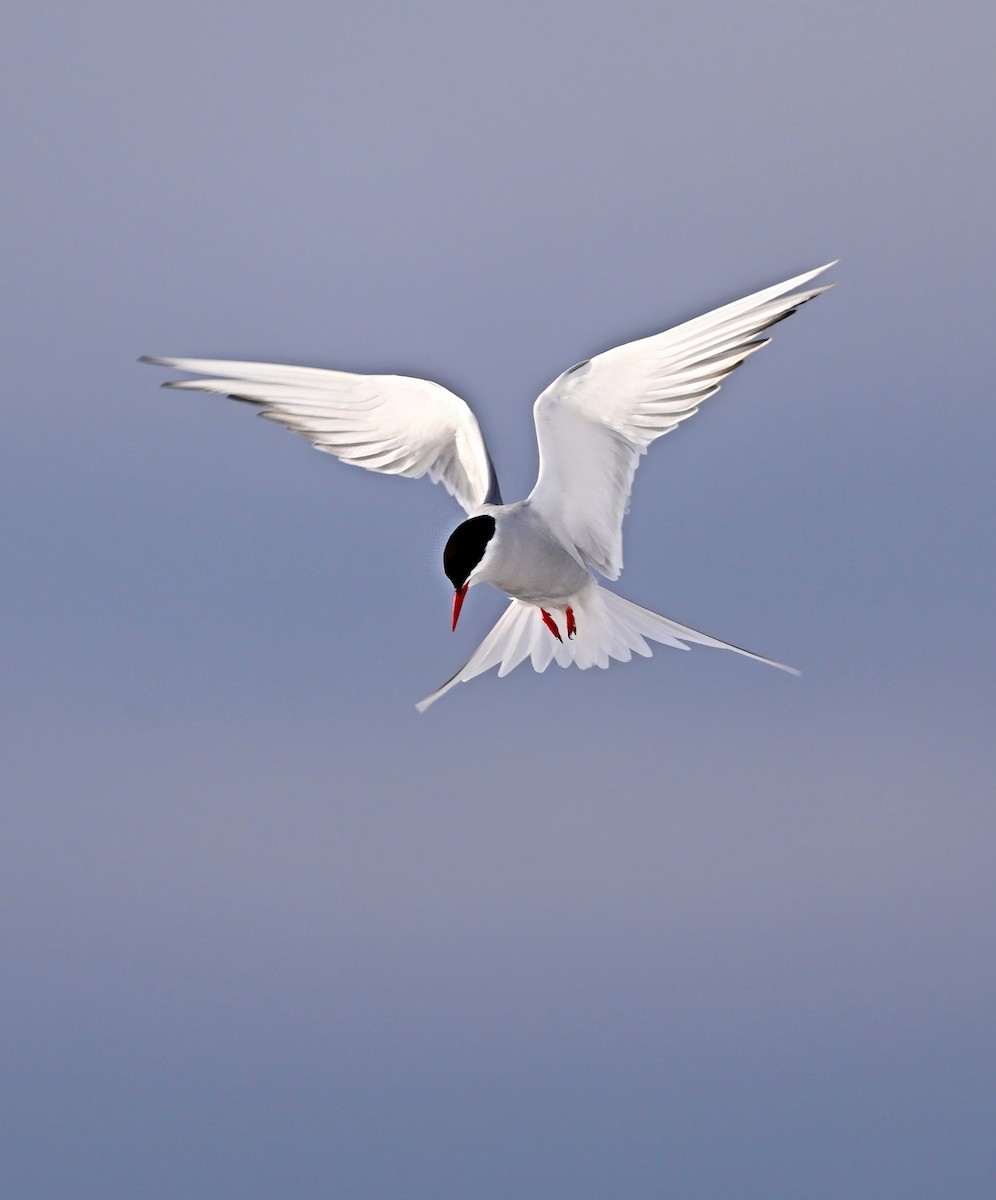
(608, 627)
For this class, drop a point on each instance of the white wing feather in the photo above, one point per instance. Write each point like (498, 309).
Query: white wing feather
(387, 423)
(595, 421)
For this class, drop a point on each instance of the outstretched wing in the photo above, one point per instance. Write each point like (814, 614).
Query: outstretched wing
(595, 420)
(386, 423)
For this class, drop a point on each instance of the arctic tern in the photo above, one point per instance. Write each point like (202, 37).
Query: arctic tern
(592, 424)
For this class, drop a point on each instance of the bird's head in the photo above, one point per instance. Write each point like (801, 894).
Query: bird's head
(463, 554)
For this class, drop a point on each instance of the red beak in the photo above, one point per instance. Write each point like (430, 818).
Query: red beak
(458, 596)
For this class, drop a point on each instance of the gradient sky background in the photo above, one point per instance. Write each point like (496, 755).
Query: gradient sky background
(689, 927)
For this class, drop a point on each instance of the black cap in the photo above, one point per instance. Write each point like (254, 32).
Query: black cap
(466, 547)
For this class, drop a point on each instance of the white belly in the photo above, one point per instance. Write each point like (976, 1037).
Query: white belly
(528, 564)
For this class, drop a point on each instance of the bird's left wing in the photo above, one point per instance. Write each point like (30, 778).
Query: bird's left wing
(595, 420)
(387, 423)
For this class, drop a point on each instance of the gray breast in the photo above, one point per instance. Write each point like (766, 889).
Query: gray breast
(528, 563)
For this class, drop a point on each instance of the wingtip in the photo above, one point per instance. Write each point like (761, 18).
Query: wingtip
(802, 280)
(825, 287)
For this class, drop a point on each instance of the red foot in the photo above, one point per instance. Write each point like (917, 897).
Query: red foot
(572, 629)
(551, 624)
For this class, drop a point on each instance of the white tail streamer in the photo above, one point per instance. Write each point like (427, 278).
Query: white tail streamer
(608, 627)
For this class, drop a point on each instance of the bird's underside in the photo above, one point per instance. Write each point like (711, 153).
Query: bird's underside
(593, 424)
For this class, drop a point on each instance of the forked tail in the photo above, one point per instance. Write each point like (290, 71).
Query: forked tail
(608, 626)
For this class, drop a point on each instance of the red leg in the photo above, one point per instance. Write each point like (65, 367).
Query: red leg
(572, 629)
(551, 624)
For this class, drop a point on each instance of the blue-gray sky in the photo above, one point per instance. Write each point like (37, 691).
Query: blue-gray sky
(688, 927)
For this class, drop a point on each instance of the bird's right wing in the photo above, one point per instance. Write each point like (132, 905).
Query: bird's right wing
(388, 423)
(595, 420)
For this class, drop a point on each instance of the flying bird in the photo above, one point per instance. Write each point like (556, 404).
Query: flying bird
(593, 423)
